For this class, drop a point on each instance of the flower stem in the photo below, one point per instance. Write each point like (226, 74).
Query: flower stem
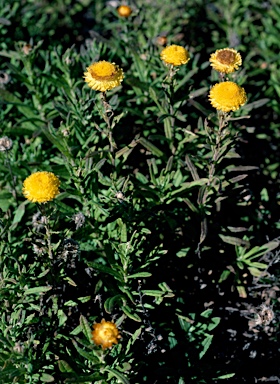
(219, 135)
(107, 116)
(48, 230)
(14, 192)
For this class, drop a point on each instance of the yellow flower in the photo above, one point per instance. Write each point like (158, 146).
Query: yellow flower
(105, 334)
(225, 60)
(41, 187)
(227, 96)
(124, 11)
(102, 76)
(175, 55)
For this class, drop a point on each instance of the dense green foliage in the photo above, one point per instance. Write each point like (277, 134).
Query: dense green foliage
(165, 216)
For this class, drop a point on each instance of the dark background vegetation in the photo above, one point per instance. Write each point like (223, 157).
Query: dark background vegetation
(165, 354)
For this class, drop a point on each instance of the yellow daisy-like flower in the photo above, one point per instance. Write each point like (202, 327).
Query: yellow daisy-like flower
(225, 60)
(41, 187)
(227, 96)
(175, 55)
(124, 11)
(105, 334)
(102, 76)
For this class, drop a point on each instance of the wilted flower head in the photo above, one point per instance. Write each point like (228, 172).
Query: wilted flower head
(5, 144)
(41, 187)
(40, 248)
(161, 40)
(102, 76)
(124, 11)
(105, 334)
(79, 219)
(225, 60)
(27, 48)
(175, 55)
(227, 96)
(4, 79)
(39, 221)
(69, 251)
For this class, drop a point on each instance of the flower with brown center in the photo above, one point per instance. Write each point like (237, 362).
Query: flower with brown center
(175, 55)
(225, 60)
(102, 76)
(105, 334)
(41, 187)
(124, 11)
(227, 96)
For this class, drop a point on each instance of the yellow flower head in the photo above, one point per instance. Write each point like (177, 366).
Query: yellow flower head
(105, 334)
(175, 55)
(227, 96)
(225, 60)
(41, 187)
(102, 76)
(124, 11)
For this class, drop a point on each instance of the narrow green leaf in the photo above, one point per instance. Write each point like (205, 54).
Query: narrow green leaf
(186, 78)
(44, 273)
(70, 303)
(206, 344)
(224, 275)
(104, 269)
(141, 178)
(226, 376)
(111, 301)
(150, 147)
(255, 271)
(259, 251)
(37, 290)
(5, 200)
(95, 378)
(85, 328)
(84, 299)
(192, 168)
(256, 104)
(241, 291)
(215, 321)
(155, 98)
(131, 315)
(189, 185)
(234, 240)
(19, 214)
(62, 317)
(46, 378)
(140, 274)
(123, 233)
(157, 293)
(207, 313)
(64, 366)
(256, 264)
(85, 354)
(121, 378)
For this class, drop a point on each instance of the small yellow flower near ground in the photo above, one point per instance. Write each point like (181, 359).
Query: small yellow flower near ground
(105, 334)
(124, 11)
(225, 60)
(102, 76)
(41, 187)
(227, 96)
(175, 55)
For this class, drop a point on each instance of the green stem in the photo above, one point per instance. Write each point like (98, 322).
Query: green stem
(48, 231)
(12, 176)
(107, 116)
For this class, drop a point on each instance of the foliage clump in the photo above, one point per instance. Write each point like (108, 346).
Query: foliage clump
(143, 192)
